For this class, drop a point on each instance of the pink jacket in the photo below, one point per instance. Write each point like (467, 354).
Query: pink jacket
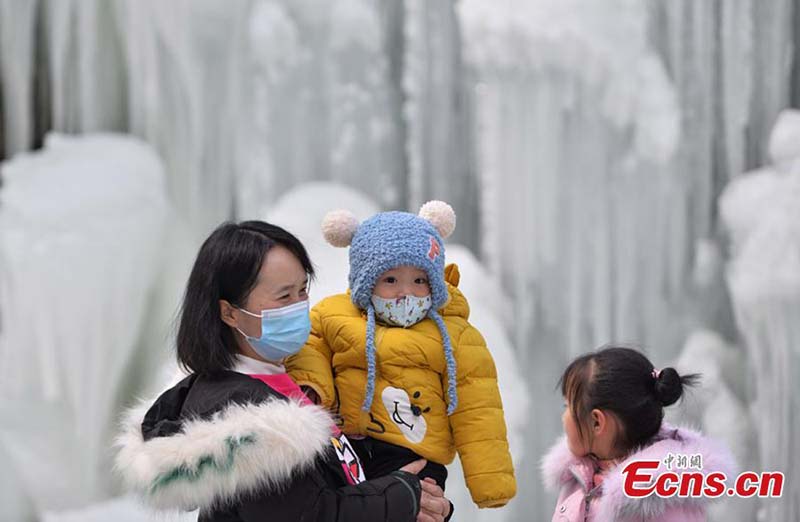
(572, 477)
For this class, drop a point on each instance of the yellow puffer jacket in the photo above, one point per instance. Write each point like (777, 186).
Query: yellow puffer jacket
(410, 406)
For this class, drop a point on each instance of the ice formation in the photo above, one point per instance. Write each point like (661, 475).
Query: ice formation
(583, 145)
(761, 211)
(719, 408)
(80, 250)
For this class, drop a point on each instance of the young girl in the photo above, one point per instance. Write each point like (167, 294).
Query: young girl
(398, 361)
(614, 410)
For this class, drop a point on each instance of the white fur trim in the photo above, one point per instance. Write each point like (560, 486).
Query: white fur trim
(441, 215)
(241, 449)
(339, 227)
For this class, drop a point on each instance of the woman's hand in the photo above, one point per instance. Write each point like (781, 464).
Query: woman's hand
(434, 507)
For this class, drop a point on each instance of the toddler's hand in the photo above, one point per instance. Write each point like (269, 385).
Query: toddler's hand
(414, 467)
(312, 395)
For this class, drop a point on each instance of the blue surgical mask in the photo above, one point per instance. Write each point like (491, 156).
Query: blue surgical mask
(283, 331)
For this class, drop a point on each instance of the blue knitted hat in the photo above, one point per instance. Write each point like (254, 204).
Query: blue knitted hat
(386, 241)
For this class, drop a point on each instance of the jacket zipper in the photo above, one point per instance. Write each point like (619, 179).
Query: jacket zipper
(587, 500)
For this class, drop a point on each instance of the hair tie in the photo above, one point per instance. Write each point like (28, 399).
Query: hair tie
(655, 373)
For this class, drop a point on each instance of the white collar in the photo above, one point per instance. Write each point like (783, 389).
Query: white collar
(250, 366)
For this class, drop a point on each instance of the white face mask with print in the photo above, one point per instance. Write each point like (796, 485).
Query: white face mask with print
(402, 311)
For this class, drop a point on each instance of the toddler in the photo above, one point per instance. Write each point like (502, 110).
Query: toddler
(399, 362)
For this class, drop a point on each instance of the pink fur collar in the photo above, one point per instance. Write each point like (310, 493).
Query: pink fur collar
(561, 468)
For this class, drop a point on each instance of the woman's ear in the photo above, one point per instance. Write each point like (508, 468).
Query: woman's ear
(226, 313)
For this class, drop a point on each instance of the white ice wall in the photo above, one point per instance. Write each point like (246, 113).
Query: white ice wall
(80, 251)
(761, 212)
(582, 143)
(246, 98)
(604, 133)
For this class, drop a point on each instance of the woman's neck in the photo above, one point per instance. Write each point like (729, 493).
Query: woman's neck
(252, 366)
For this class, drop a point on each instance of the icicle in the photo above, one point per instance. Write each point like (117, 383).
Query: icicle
(17, 44)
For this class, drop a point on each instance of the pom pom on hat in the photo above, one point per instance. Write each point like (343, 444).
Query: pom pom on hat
(440, 215)
(339, 227)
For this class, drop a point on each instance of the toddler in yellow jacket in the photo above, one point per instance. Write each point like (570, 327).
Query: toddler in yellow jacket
(399, 362)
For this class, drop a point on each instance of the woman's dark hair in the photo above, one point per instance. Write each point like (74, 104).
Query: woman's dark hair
(624, 382)
(227, 268)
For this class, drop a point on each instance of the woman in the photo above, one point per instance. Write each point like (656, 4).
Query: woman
(237, 438)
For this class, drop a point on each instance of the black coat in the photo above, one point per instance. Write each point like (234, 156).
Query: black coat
(238, 450)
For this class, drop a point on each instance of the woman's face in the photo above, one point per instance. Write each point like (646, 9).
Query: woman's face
(282, 281)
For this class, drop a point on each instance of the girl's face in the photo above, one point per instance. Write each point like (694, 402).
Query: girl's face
(577, 446)
(599, 439)
(282, 281)
(402, 281)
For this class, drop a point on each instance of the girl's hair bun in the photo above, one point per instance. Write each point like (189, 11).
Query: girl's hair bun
(669, 385)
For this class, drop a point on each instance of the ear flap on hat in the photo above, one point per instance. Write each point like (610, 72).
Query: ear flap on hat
(339, 227)
(441, 215)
